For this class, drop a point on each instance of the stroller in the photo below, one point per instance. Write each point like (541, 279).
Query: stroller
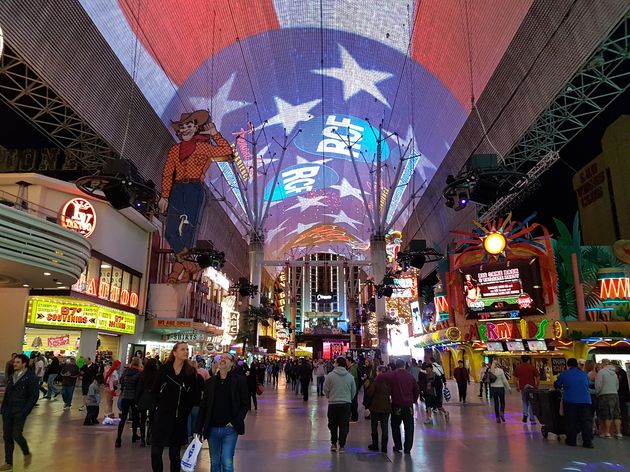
(546, 406)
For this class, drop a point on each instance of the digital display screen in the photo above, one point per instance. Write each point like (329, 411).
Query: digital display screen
(537, 345)
(515, 345)
(263, 63)
(494, 346)
(501, 289)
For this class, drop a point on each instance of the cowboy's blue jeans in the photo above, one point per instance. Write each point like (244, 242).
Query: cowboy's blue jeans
(185, 209)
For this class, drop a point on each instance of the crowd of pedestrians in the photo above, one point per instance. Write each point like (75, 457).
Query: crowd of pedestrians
(170, 402)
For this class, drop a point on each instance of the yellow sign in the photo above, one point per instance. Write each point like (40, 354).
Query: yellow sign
(71, 314)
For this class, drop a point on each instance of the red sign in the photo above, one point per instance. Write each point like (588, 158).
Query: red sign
(59, 341)
(78, 215)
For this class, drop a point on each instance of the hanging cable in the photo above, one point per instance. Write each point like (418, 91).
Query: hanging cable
(134, 66)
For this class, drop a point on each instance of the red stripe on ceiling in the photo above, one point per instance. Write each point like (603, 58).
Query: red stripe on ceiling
(178, 34)
(439, 40)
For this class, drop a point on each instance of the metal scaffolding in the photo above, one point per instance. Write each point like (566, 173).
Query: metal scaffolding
(23, 90)
(604, 76)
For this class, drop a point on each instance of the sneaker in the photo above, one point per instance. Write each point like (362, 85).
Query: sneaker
(428, 421)
(353, 422)
(524, 419)
(605, 436)
(372, 447)
(503, 418)
(333, 448)
(67, 407)
(82, 408)
(6, 467)
(498, 420)
(118, 443)
(342, 450)
(619, 436)
(28, 458)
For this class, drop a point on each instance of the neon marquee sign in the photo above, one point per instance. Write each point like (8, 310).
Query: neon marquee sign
(505, 330)
(78, 215)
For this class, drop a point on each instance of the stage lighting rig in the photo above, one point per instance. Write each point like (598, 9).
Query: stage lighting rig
(244, 288)
(120, 184)
(208, 258)
(417, 255)
(481, 181)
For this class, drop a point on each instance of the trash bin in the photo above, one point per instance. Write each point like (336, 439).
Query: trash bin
(546, 406)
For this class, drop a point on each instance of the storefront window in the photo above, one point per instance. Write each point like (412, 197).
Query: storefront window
(116, 285)
(108, 282)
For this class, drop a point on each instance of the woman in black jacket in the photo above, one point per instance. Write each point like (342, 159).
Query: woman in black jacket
(222, 413)
(146, 401)
(176, 390)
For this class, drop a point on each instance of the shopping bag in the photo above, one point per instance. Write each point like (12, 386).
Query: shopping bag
(191, 455)
(260, 389)
(447, 394)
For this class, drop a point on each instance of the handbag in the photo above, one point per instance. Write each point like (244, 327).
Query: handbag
(191, 455)
(447, 394)
(489, 377)
(260, 389)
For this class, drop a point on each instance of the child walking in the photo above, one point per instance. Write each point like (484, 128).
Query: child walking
(92, 401)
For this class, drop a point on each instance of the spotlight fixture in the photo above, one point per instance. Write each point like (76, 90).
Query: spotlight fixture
(214, 259)
(244, 288)
(417, 255)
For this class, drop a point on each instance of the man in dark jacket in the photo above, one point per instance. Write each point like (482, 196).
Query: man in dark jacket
(463, 379)
(88, 374)
(305, 372)
(129, 382)
(21, 394)
(377, 400)
(405, 391)
(222, 413)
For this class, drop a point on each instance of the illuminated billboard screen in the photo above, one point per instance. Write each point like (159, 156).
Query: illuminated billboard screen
(327, 74)
(503, 289)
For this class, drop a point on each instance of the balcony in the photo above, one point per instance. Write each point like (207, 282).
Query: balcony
(34, 250)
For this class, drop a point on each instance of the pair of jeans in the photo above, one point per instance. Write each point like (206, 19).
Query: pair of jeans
(67, 392)
(402, 415)
(185, 209)
(483, 389)
(498, 396)
(146, 416)
(52, 388)
(192, 420)
(12, 429)
(173, 455)
(578, 419)
(463, 389)
(377, 419)
(304, 385)
(526, 403)
(127, 404)
(339, 422)
(91, 417)
(320, 385)
(222, 442)
(354, 407)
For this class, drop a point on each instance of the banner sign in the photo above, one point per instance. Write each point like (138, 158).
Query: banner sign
(71, 314)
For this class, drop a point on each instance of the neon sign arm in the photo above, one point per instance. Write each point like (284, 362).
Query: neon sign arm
(243, 192)
(356, 172)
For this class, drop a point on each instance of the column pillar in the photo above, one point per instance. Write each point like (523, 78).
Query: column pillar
(306, 291)
(87, 347)
(14, 303)
(256, 254)
(378, 256)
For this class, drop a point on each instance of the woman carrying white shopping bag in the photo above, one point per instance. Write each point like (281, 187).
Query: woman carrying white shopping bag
(222, 414)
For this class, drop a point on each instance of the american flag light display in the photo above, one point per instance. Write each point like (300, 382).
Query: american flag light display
(261, 61)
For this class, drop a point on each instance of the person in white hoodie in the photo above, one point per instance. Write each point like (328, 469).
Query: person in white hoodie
(498, 385)
(319, 372)
(608, 409)
(340, 388)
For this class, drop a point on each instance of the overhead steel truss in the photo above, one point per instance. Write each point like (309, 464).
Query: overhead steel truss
(604, 76)
(23, 90)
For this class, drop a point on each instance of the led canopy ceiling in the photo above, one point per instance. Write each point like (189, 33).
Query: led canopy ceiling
(339, 74)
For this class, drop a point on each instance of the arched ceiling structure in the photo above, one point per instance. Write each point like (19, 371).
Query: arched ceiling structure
(350, 67)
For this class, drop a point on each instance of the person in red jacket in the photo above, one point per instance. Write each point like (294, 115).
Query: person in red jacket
(528, 378)
(404, 392)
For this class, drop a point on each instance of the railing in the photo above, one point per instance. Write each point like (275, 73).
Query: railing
(18, 203)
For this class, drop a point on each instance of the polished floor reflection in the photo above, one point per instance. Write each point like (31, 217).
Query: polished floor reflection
(287, 434)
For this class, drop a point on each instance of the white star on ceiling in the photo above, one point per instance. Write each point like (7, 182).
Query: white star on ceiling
(274, 231)
(421, 161)
(305, 203)
(347, 190)
(290, 115)
(222, 104)
(343, 218)
(302, 227)
(356, 79)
